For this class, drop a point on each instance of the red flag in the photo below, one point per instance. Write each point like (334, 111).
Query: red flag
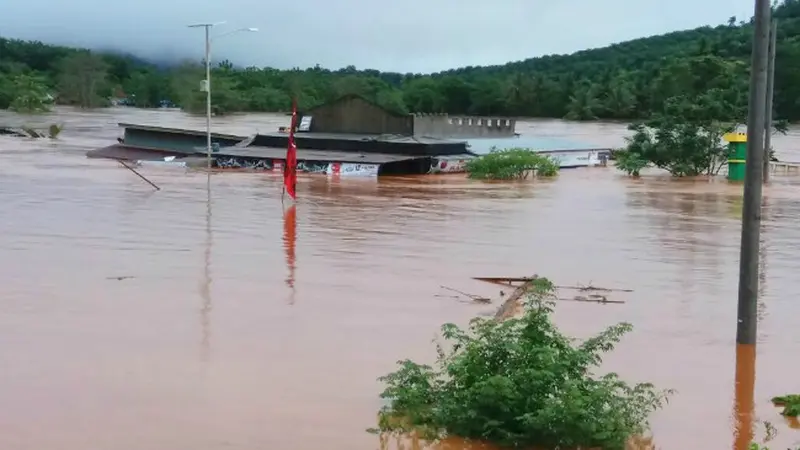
(289, 238)
(290, 168)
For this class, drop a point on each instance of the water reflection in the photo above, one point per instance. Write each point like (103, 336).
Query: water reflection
(743, 406)
(289, 243)
(205, 289)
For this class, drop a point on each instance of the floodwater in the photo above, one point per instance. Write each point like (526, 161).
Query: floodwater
(206, 319)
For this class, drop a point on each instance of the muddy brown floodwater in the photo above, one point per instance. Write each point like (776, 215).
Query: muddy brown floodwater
(217, 336)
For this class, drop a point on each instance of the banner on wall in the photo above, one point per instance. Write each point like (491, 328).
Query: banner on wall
(350, 169)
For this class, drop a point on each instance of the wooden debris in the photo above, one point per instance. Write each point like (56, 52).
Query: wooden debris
(510, 281)
(591, 299)
(14, 132)
(512, 303)
(28, 132)
(474, 298)
(593, 288)
(506, 281)
(522, 285)
(32, 133)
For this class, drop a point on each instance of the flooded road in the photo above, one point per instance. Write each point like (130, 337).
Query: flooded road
(203, 319)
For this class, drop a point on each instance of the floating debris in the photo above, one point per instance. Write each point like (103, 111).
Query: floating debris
(27, 132)
(474, 298)
(124, 277)
(591, 299)
(512, 304)
(510, 281)
(506, 281)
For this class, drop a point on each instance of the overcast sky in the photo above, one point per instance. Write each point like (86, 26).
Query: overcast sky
(397, 35)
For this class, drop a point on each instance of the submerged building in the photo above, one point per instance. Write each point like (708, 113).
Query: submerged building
(349, 135)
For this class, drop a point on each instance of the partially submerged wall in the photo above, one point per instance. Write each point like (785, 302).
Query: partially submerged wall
(354, 115)
(445, 126)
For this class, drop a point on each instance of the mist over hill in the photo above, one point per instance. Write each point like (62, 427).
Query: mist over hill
(624, 81)
(411, 36)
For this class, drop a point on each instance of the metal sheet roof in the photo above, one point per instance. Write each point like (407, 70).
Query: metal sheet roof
(391, 138)
(178, 130)
(126, 152)
(315, 155)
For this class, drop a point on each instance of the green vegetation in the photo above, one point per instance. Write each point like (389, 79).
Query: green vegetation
(519, 383)
(29, 94)
(511, 164)
(790, 404)
(54, 130)
(631, 80)
(685, 136)
(630, 162)
(681, 148)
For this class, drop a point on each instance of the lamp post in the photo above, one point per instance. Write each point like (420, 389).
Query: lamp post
(207, 27)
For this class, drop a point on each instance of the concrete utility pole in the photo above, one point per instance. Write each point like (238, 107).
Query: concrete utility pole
(751, 210)
(773, 40)
(207, 81)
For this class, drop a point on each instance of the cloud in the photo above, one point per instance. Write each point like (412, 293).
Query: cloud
(403, 36)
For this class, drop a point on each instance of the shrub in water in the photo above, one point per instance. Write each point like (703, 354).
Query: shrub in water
(790, 404)
(519, 383)
(512, 163)
(630, 162)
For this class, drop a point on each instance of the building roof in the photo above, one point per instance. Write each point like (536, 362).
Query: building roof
(134, 126)
(352, 97)
(127, 152)
(390, 138)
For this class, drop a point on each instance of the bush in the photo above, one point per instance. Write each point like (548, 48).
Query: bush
(790, 404)
(630, 162)
(54, 130)
(519, 383)
(510, 164)
(683, 149)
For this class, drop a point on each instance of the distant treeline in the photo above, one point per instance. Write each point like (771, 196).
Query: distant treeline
(631, 80)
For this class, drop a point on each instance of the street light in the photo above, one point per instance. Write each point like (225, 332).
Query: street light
(207, 27)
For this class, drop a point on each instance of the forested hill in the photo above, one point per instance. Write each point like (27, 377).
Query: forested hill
(623, 81)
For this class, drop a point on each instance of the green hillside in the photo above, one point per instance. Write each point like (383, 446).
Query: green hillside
(623, 81)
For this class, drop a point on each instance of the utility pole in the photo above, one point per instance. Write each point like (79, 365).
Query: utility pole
(773, 39)
(751, 210)
(207, 86)
(207, 81)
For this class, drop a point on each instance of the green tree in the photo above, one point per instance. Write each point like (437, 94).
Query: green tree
(584, 104)
(225, 98)
(83, 80)
(631, 80)
(519, 383)
(29, 94)
(146, 88)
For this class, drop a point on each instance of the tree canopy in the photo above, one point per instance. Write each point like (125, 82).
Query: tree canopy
(629, 80)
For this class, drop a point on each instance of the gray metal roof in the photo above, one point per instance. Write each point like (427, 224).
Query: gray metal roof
(391, 138)
(178, 130)
(121, 151)
(314, 155)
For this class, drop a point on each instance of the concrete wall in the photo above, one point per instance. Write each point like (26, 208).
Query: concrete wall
(444, 126)
(354, 115)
